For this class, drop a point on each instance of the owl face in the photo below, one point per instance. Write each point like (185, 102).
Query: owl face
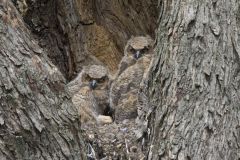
(95, 77)
(137, 53)
(97, 83)
(137, 47)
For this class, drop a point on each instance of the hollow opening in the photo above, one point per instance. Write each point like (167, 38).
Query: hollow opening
(93, 32)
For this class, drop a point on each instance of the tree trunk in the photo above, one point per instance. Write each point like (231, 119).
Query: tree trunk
(194, 84)
(193, 110)
(37, 119)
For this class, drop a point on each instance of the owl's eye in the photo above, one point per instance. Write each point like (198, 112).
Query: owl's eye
(86, 78)
(131, 49)
(145, 49)
(101, 80)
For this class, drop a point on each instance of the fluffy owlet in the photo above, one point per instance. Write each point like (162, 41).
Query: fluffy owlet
(90, 92)
(132, 70)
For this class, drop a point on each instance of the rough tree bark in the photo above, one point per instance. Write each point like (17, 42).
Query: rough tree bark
(37, 119)
(194, 83)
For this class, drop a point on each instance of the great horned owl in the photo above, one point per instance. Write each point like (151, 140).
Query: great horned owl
(90, 92)
(132, 70)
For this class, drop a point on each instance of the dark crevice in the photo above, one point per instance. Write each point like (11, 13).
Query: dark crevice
(207, 77)
(191, 25)
(108, 111)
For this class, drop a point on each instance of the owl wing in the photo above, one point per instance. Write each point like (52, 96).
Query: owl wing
(126, 62)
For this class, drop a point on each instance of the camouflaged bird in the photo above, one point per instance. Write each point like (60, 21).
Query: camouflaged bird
(131, 73)
(90, 92)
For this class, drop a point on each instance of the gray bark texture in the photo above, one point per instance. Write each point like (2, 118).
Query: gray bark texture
(37, 118)
(194, 83)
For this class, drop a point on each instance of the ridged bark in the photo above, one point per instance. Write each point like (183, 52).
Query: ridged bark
(194, 84)
(37, 118)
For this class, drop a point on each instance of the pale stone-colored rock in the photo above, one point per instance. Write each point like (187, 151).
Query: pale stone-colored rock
(101, 119)
(119, 145)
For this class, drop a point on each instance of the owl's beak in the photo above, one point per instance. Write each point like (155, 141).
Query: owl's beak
(93, 84)
(137, 54)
